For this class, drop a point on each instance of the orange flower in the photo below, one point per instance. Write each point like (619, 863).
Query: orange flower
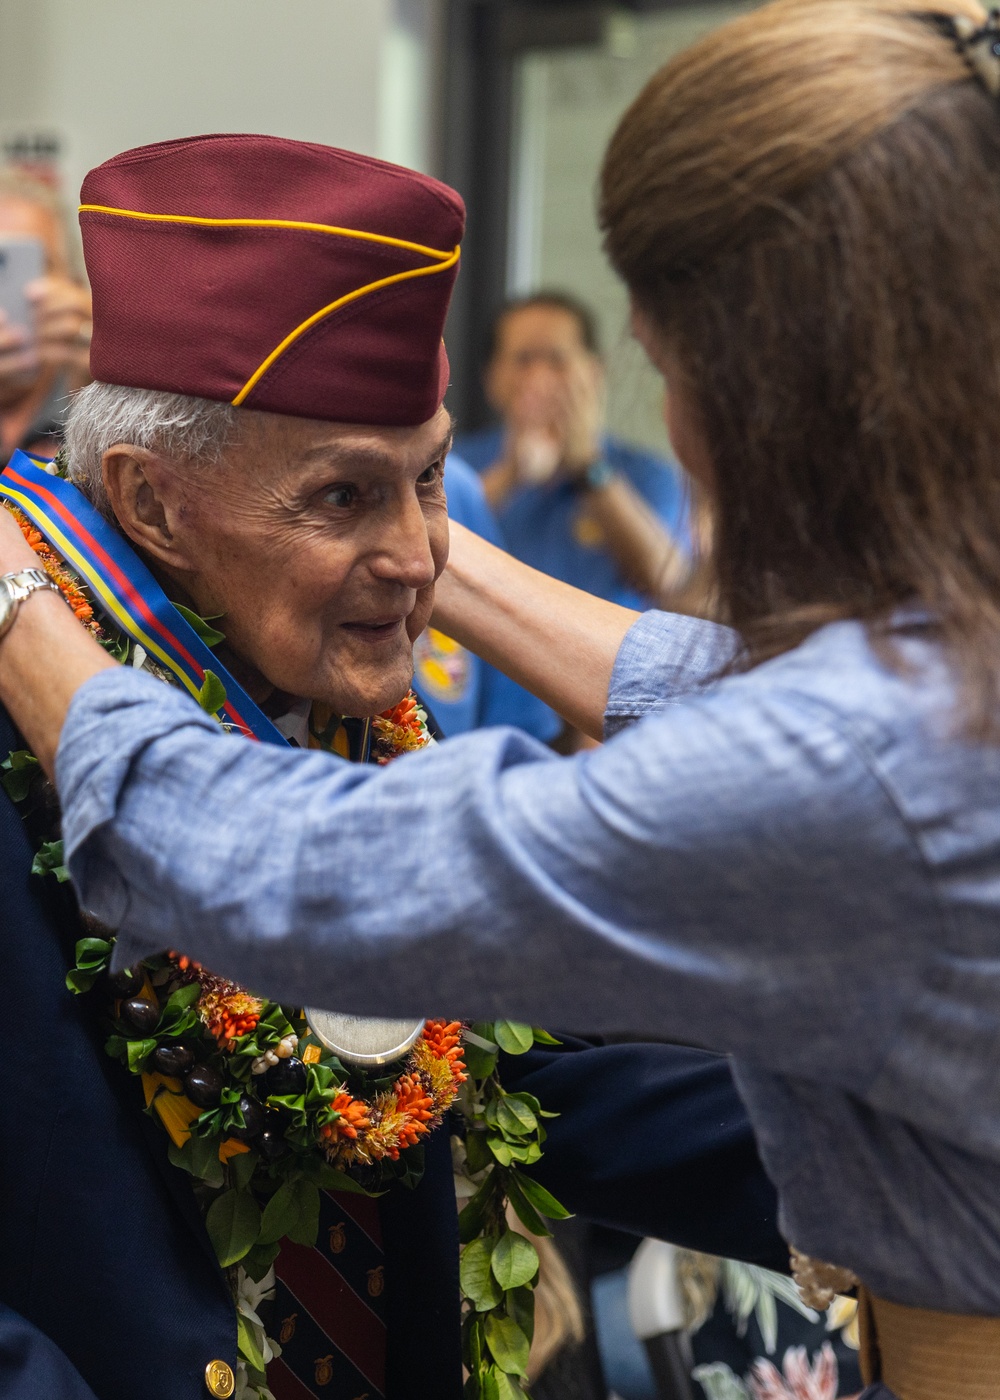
(444, 1041)
(399, 730)
(185, 963)
(403, 714)
(56, 570)
(226, 1010)
(353, 1118)
(412, 1098)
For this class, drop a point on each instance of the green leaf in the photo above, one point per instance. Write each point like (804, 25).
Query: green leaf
(306, 1227)
(514, 1261)
(477, 1154)
(259, 1259)
(78, 981)
(472, 1336)
(476, 1276)
(524, 1152)
(513, 1036)
(514, 1116)
(233, 1224)
(208, 634)
(501, 1150)
(139, 1052)
(520, 1303)
(93, 953)
(281, 1214)
(212, 695)
(508, 1344)
(242, 1168)
(19, 770)
(508, 1389)
(49, 861)
(525, 1211)
(543, 1037)
(480, 1063)
(543, 1201)
(200, 1157)
(246, 1343)
(329, 1178)
(473, 1215)
(183, 998)
(489, 1388)
(119, 647)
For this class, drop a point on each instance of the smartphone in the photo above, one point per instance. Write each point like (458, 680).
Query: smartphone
(22, 260)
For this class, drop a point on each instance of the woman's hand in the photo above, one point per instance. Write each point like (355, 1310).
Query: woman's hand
(44, 657)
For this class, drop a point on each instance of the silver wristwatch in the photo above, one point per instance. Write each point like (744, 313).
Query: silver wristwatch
(14, 588)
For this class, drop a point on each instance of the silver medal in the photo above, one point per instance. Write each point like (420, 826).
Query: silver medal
(363, 1040)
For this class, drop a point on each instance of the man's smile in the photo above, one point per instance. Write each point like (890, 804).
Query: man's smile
(379, 629)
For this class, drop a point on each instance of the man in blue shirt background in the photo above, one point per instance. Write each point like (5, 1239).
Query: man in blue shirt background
(464, 692)
(570, 500)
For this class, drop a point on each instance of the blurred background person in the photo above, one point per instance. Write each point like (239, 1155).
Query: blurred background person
(41, 363)
(463, 691)
(572, 500)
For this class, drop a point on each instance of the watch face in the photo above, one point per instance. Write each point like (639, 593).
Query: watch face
(8, 606)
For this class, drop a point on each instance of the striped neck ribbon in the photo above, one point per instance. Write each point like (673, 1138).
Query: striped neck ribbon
(124, 588)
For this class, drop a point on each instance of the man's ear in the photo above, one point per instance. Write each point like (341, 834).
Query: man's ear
(145, 496)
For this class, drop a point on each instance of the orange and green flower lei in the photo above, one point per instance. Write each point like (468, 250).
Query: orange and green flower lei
(264, 1116)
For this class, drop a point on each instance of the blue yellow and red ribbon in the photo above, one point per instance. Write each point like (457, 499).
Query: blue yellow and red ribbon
(123, 587)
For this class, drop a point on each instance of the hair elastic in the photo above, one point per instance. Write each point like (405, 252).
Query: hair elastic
(979, 46)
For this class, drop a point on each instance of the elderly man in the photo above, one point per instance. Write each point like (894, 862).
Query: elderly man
(265, 446)
(263, 449)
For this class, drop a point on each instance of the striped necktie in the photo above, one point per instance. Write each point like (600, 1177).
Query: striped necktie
(329, 1307)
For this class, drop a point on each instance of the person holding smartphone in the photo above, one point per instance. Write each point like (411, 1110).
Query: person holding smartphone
(45, 318)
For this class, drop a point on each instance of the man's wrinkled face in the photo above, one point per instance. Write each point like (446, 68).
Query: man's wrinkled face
(319, 545)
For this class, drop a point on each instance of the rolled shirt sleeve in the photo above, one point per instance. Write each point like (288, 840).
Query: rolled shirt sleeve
(663, 657)
(713, 874)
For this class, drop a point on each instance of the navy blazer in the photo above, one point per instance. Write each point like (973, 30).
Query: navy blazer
(102, 1246)
(108, 1283)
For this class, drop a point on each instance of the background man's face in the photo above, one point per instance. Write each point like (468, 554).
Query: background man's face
(320, 544)
(539, 353)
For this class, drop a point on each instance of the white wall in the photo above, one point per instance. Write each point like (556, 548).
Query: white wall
(105, 75)
(568, 104)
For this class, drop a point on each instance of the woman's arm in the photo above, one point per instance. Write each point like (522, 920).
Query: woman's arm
(44, 658)
(555, 640)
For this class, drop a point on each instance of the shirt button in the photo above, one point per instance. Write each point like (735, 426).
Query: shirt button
(220, 1379)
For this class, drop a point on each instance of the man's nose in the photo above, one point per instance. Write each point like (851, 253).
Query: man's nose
(404, 549)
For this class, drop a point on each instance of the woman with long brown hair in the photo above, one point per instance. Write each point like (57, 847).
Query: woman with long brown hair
(795, 857)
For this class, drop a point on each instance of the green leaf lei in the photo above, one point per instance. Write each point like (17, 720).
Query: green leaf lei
(263, 1186)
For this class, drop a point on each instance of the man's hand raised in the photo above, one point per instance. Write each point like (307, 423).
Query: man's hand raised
(62, 325)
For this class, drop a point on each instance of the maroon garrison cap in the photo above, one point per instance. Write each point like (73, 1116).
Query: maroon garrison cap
(275, 274)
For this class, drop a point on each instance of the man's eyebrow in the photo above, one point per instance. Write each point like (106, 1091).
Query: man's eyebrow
(333, 454)
(445, 445)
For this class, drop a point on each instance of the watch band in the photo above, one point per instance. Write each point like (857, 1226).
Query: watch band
(598, 474)
(14, 588)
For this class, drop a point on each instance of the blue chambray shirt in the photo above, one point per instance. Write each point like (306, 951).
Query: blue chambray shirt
(799, 865)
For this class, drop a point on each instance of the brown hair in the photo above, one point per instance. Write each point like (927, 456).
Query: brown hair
(806, 208)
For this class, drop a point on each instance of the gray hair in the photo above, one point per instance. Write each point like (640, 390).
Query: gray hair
(175, 426)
